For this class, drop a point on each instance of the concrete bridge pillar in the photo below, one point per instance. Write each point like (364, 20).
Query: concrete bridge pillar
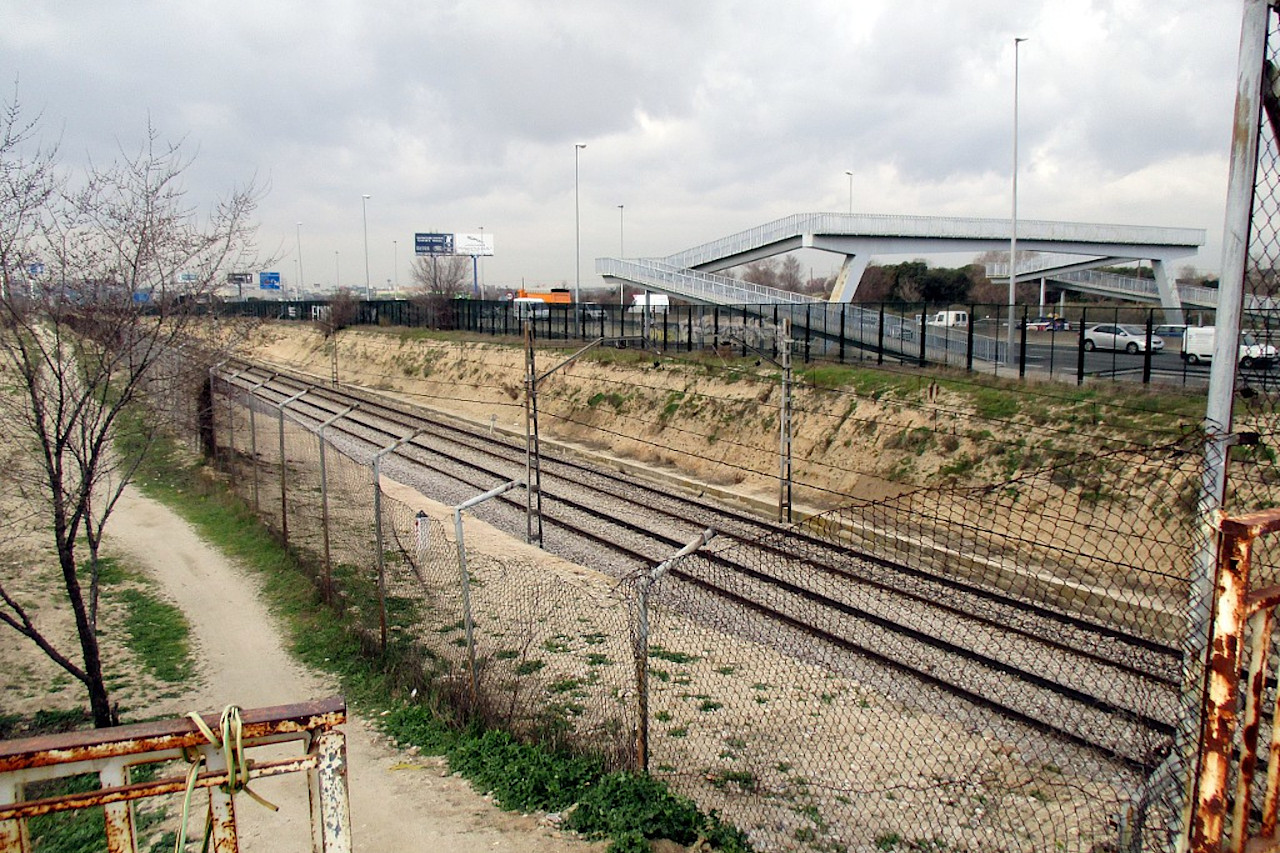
(1168, 291)
(850, 275)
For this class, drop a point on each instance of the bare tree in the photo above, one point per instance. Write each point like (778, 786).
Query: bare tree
(344, 310)
(441, 275)
(791, 275)
(764, 272)
(101, 283)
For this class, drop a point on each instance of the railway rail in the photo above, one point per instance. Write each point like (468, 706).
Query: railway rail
(1088, 683)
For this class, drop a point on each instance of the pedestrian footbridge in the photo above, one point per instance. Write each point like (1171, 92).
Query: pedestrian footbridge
(1075, 250)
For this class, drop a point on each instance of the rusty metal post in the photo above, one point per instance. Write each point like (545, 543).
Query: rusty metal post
(253, 451)
(1260, 627)
(117, 817)
(327, 785)
(532, 448)
(13, 833)
(1271, 801)
(1209, 797)
(231, 420)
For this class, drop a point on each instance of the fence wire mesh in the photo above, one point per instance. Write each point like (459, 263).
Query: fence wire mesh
(984, 668)
(548, 653)
(952, 669)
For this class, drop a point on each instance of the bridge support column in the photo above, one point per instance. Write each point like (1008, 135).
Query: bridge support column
(850, 275)
(1169, 299)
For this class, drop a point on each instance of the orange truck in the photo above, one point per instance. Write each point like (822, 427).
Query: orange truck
(557, 296)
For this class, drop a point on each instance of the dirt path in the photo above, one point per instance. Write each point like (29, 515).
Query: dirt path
(398, 801)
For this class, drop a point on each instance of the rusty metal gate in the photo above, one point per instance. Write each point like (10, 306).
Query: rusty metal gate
(1244, 814)
(217, 764)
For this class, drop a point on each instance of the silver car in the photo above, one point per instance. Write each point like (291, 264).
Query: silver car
(1131, 339)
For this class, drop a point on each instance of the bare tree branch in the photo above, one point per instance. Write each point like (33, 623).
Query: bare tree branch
(102, 282)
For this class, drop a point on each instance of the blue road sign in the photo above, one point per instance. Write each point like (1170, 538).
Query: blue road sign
(35, 270)
(268, 281)
(433, 244)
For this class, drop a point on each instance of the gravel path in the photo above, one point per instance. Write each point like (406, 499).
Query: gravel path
(398, 801)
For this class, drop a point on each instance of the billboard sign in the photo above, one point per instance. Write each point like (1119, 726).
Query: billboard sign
(474, 244)
(239, 278)
(433, 244)
(268, 281)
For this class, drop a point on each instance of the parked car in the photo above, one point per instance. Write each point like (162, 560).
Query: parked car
(1131, 339)
(1049, 324)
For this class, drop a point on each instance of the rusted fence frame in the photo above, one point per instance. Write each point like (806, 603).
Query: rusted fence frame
(109, 753)
(1235, 607)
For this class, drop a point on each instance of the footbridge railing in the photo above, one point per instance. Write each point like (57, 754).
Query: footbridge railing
(698, 286)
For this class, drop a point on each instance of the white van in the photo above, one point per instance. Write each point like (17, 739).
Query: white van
(949, 318)
(527, 307)
(658, 303)
(1197, 346)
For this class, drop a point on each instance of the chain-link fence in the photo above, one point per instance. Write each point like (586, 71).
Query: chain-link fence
(986, 668)
(532, 651)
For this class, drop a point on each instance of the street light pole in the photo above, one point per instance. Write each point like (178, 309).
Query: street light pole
(302, 282)
(337, 277)
(395, 261)
(577, 231)
(1013, 220)
(364, 215)
(850, 174)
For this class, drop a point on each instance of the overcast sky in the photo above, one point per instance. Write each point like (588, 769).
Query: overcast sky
(700, 117)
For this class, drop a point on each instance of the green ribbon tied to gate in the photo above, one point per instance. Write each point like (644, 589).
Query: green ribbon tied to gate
(228, 739)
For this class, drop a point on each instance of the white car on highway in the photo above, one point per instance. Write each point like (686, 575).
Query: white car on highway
(1131, 339)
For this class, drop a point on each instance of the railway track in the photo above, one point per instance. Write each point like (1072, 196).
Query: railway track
(1088, 683)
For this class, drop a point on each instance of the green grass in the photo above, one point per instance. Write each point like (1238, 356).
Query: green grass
(656, 651)
(158, 634)
(79, 831)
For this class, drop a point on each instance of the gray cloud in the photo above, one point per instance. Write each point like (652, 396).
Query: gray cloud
(701, 118)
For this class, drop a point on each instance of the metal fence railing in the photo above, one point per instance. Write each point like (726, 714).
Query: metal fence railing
(1053, 345)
